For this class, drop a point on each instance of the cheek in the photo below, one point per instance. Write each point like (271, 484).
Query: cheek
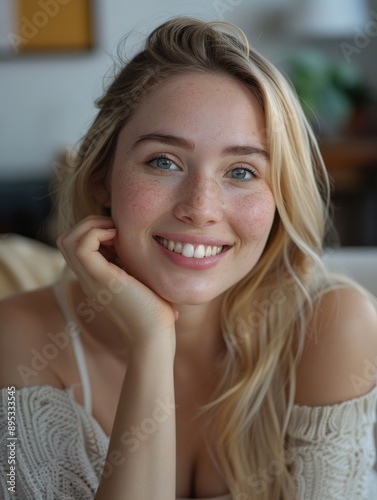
(258, 215)
(134, 201)
(135, 205)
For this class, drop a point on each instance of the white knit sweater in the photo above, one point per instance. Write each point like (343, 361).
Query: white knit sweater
(60, 448)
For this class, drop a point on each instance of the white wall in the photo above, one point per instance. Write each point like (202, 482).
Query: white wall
(46, 103)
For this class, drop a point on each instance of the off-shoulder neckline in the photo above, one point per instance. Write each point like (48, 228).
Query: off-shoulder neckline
(345, 402)
(69, 393)
(68, 390)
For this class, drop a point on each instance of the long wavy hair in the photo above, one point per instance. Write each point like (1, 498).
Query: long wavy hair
(265, 315)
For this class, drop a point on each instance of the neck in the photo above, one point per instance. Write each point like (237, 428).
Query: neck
(198, 332)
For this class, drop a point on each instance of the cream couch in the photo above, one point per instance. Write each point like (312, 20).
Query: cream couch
(26, 264)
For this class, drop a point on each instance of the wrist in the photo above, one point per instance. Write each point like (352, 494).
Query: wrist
(159, 344)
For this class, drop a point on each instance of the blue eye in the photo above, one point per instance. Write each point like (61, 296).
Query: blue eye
(242, 174)
(163, 163)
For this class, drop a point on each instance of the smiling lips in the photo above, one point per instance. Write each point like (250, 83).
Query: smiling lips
(190, 250)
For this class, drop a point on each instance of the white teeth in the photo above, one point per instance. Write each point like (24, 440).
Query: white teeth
(171, 245)
(200, 252)
(189, 250)
(178, 248)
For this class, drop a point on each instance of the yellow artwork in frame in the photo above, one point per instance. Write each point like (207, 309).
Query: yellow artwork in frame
(31, 26)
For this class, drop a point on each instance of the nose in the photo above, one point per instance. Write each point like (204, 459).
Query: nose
(199, 201)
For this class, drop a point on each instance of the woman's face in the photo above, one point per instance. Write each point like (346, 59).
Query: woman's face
(190, 192)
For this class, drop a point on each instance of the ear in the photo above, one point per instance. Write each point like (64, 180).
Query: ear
(102, 195)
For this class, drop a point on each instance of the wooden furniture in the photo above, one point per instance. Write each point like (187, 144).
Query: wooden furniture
(352, 165)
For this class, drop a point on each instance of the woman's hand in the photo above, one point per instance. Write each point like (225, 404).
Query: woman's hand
(141, 314)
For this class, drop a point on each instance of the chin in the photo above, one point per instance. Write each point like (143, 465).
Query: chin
(181, 290)
(190, 297)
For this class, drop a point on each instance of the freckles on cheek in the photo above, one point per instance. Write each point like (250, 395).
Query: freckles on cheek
(259, 211)
(133, 200)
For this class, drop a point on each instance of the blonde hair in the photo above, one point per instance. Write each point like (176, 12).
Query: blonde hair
(264, 316)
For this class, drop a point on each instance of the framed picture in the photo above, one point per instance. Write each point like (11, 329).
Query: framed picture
(43, 26)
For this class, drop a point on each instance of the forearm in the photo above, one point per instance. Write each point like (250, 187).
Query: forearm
(142, 443)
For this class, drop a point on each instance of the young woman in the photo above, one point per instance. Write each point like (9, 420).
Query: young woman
(199, 349)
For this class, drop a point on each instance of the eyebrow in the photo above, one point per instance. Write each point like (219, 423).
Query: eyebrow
(174, 140)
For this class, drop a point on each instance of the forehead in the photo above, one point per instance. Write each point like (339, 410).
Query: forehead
(201, 103)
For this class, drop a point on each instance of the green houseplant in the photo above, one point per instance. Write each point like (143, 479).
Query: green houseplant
(330, 92)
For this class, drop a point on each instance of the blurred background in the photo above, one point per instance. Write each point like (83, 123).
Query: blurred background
(57, 55)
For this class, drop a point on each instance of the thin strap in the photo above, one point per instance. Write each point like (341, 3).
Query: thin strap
(77, 347)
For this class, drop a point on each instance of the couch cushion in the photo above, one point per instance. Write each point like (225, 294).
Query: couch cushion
(26, 264)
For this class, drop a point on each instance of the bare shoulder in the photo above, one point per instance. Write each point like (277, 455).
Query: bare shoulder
(28, 353)
(339, 361)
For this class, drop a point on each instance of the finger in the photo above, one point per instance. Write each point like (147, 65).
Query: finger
(91, 241)
(107, 250)
(83, 226)
(88, 255)
(83, 242)
(69, 240)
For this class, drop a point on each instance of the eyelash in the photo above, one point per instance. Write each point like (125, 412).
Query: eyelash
(159, 157)
(250, 170)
